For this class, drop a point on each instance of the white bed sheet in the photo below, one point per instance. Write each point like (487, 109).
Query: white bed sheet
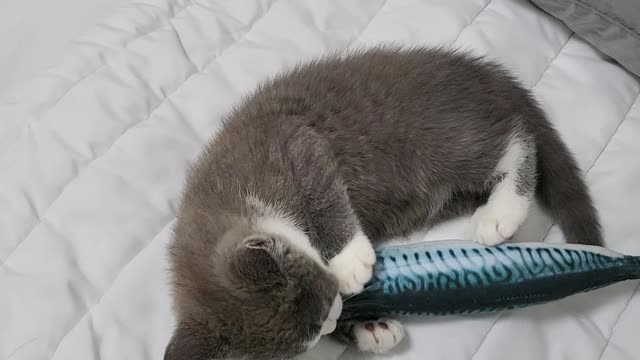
(34, 33)
(93, 153)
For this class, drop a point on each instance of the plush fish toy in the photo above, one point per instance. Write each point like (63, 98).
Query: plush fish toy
(456, 277)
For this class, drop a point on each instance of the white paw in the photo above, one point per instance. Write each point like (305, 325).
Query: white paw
(378, 336)
(496, 222)
(329, 324)
(353, 266)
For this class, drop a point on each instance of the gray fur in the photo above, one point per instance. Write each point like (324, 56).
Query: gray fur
(385, 140)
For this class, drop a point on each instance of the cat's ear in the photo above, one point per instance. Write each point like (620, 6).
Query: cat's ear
(262, 242)
(187, 344)
(257, 260)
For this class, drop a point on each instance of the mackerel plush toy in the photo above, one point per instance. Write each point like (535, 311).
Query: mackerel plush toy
(456, 277)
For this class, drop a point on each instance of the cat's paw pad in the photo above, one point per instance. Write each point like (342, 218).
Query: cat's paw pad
(353, 266)
(378, 336)
(329, 324)
(493, 224)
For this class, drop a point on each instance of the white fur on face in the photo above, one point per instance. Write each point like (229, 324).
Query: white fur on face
(353, 266)
(378, 336)
(505, 210)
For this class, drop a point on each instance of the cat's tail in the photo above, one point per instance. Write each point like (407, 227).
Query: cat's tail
(562, 190)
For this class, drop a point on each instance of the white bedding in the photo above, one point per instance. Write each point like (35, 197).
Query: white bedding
(34, 33)
(94, 151)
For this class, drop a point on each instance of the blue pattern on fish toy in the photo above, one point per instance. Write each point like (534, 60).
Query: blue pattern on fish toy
(458, 277)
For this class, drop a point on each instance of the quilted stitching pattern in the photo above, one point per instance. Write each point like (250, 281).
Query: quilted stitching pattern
(93, 154)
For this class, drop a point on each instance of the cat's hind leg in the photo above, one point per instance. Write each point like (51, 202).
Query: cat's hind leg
(511, 196)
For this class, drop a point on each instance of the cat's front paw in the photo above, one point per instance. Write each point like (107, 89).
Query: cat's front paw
(493, 224)
(329, 324)
(353, 266)
(378, 336)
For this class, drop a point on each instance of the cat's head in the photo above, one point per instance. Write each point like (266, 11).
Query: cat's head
(243, 293)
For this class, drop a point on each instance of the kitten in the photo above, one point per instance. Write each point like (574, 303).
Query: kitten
(282, 210)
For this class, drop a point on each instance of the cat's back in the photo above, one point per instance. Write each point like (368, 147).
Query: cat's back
(384, 104)
(390, 78)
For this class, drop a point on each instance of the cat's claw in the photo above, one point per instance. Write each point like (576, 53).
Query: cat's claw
(378, 336)
(353, 266)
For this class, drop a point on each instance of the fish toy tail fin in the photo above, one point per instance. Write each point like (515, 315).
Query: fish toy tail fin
(632, 266)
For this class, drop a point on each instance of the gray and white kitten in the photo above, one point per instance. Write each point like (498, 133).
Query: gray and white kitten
(283, 208)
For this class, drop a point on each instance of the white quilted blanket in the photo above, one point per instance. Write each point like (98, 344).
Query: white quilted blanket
(93, 154)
